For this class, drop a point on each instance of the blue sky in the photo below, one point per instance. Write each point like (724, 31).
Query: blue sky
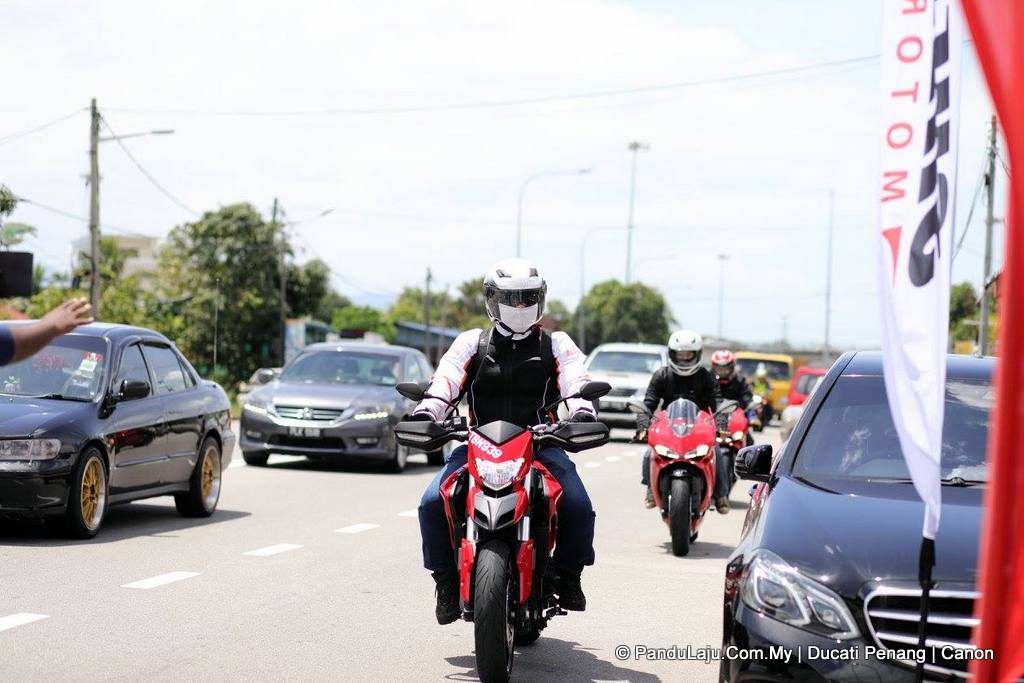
(742, 168)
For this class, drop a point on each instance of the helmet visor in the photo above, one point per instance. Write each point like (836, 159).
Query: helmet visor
(515, 298)
(723, 371)
(682, 357)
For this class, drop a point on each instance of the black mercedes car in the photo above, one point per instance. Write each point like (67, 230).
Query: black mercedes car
(109, 414)
(335, 399)
(826, 568)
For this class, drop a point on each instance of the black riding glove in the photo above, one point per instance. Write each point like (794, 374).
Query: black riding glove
(421, 417)
(582, 416)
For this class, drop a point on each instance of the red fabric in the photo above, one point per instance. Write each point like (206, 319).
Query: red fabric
(998, 30)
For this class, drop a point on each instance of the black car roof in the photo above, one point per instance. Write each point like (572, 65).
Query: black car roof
(961, 367)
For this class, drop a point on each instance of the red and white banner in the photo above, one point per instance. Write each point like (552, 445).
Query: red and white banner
(921, 42)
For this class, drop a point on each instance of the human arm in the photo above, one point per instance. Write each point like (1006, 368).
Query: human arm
(18, 342)
(571, 374)
(450, 376)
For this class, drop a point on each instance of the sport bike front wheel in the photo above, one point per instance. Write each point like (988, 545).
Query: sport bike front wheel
(679, 516)
(493, 615)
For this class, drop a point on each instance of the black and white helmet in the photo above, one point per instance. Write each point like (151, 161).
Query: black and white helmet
(684, 351)
(514, 294)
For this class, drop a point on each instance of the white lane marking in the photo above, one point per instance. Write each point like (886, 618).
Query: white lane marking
(356, 528)
(236, 463)
(163, 579)
(272, 550)
(613, 458)
(20, 619)
(592, 464)
(410, 513)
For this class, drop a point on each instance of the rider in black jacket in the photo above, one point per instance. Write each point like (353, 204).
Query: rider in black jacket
(683, 377)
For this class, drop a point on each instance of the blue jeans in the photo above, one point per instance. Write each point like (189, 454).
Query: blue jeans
(574, 546)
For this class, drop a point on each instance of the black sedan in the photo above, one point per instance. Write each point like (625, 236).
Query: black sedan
(336, 399)
(109, 414)
(826, 568)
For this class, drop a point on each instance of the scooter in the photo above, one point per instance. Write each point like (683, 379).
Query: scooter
(502, 510)
(682, 439)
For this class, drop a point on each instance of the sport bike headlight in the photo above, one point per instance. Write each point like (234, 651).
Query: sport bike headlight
(29, 449)
(771, 586)
(737, 436)
(665, 451)
(699, 452)
(498, 475)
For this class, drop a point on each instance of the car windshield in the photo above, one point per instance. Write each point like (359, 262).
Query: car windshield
(71, 368)
(777, 369)
(625, 361)
(682, 416)
(853, 435)
(342, 367)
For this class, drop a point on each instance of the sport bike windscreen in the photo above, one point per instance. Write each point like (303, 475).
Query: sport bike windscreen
(682, 416)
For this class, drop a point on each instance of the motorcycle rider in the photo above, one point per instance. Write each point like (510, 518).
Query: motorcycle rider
(732, 384)
(763, 388)
(683, 377)
(511, 372)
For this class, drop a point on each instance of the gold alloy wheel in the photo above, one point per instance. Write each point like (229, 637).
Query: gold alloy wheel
(93, 494)
(210, 476)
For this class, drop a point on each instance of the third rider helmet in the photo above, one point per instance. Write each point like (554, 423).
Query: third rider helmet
(723, 363)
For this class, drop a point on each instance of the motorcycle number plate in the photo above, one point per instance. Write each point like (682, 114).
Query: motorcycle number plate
(308, 432)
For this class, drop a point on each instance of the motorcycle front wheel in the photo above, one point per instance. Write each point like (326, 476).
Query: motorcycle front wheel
(493, 613)
(679, 516)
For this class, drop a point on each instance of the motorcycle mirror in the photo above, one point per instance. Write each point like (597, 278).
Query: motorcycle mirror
(636, 408)
(414, 391)
(594, 390)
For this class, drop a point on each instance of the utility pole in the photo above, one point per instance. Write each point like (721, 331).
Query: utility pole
(722, 258)
(633, 147)
(990, 181)
(94, 209)
(828, 271)
(426, 317)
(282, 276)
(785, 331)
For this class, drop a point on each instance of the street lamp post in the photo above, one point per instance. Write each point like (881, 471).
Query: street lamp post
(522, 191)
(580, 311)
(722, 258)
(633, 147)
(94, 199)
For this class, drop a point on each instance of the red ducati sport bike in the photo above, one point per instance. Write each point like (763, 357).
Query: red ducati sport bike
(502, 510)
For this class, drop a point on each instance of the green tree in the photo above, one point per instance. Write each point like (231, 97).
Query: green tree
(558, 313)
(11, 233)
(362, 319)
(331, 302)
(224, 264)
(614, 312)
(306, 288)
(963, 312)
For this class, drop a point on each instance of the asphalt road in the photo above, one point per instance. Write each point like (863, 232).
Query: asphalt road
(312, 572)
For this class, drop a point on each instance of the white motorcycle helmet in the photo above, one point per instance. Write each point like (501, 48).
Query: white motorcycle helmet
(684, 351)
(514, 295)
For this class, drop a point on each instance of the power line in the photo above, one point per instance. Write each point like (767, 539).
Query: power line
(29, 131)
(970, 212)
(149, 176)
(518, 102)
(344, 279)
(68, 214)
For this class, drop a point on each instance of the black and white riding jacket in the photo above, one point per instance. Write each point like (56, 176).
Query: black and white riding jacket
(505, 378)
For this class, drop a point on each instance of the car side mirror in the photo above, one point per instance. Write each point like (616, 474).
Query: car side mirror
(132, 389)
(754, 462)
(265, 376)
(592, 391)
(414, 391)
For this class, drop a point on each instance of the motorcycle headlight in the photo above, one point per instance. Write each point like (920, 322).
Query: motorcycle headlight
(29, 449)
(498, 475)
(771, 586)
(737, 436)
(699, 452)
(665, 451)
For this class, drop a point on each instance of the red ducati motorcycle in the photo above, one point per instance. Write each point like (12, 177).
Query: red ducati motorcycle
(734, 435)
(502, 510)
(682, 439)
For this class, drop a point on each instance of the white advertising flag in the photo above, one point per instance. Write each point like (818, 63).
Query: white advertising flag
(921, 42)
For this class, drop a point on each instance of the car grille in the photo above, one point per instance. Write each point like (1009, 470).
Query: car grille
(893, 615)
(328, 443)
(315, 414)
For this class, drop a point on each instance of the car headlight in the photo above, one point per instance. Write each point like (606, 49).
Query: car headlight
(29, 449)
(257, 406)
(771, 586)
(370, 414)
(498, 475)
